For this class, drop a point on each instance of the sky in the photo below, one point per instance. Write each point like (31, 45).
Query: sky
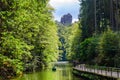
(64, 7)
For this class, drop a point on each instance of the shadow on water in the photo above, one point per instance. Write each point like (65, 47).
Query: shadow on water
(63, 72)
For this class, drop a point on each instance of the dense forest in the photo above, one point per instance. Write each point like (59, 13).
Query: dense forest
(95, 38)
(30, 38)
(99, 41)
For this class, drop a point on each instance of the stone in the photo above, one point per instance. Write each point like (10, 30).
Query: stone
(66, 19)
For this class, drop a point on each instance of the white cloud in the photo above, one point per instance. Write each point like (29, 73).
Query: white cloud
(64, 1)
(74, 20)
(57, 3)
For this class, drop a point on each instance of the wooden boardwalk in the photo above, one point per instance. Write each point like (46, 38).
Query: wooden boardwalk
(108, 72)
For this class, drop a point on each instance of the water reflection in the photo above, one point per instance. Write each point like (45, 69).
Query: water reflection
(62, 73)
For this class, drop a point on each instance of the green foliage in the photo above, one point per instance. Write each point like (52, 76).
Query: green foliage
(62, 34)
(96, 15)
(101, 50)
(27, 31)
(14, 48)
(68, 36)
(88, 50)
(109, 48)
(86, 18)
(74, 39)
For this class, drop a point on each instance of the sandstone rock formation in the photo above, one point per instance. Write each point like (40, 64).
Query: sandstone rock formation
(66, 19)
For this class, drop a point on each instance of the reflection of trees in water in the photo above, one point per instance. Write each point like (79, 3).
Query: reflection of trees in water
(67, 74)
(64, 72)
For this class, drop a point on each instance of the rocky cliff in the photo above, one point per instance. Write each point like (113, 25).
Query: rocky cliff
(66, 19)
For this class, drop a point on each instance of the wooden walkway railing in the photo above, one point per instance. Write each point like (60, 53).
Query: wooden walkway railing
(103, 71)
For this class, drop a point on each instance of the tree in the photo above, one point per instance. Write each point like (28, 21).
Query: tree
(75, 39)
(87, 20)
(28, 32)
(97, 15)
(109, 48)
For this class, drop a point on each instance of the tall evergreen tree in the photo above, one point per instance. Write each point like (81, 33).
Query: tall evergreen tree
(87, 18)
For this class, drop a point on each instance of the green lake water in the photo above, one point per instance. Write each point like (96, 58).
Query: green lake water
(62, 73)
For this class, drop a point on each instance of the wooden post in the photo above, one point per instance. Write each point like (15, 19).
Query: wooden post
(90, 68)
(118, 73)
(111, 71)
(94, 69)
(101, 70)
(106, 71)
(97, 69)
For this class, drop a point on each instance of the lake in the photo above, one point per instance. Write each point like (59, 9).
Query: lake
(63, 72)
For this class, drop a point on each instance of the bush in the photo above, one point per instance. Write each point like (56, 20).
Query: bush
(88, 50)
(109, 48)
